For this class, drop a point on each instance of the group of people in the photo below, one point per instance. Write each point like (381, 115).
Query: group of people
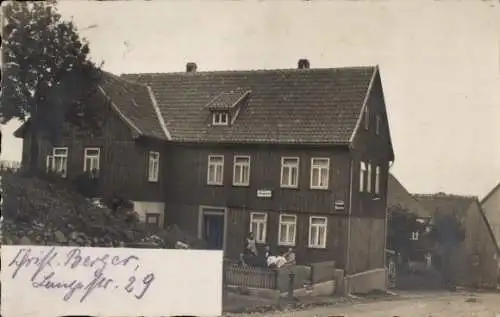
(250, 255)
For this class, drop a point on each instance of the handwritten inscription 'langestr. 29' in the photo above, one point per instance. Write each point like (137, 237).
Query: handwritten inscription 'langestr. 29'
(42, 267)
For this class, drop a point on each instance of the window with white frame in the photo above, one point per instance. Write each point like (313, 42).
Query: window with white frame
(290, 172)
(215, 169)
(377, 179)
(320, 168)
(152, 219)
(153, 166)
(317, 232)
(91, 157)
(287, 229)
(60, 161)
(369, 178)
(220, 118)
(241, 170)
(414, 236)
(362, 172)
(258, 226)
(367, 118)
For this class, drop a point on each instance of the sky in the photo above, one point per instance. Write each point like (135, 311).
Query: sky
(439, 62)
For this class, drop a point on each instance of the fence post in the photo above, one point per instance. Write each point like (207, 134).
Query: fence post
(291, 278)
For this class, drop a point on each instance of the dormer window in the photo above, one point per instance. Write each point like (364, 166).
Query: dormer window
(225, 107)
(220, 118)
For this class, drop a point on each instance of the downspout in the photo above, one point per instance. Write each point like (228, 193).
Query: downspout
(386, 217)
(348, 246)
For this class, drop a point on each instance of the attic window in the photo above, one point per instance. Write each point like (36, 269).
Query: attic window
(220, 118)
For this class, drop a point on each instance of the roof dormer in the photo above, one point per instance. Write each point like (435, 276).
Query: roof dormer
(224, 108)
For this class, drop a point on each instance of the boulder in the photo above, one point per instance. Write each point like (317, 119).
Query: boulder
(60, 237)
(24, 241)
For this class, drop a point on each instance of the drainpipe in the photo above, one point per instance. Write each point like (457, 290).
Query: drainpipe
(348, 246)
(386, 216)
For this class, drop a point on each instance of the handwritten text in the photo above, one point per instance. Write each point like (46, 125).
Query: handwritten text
(41, 268)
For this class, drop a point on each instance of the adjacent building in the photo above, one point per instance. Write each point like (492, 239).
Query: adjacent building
(422, 238)
(471, 257)
(491, 206)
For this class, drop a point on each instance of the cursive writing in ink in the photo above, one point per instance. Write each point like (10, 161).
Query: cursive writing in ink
(25, 258)
(43, 274)
(146, 283)
(99, 281)
(49, 283)
(74, 259)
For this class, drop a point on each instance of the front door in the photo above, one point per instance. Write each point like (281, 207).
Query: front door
(213, 229)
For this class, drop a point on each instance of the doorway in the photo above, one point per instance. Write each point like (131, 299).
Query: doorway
(213, 223)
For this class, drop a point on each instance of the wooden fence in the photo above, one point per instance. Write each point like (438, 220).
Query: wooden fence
(278, 279)
(254, 277)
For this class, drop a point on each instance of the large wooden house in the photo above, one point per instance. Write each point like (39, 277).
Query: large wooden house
(300, 157)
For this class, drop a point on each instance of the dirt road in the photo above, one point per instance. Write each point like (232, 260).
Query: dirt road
(424, 305)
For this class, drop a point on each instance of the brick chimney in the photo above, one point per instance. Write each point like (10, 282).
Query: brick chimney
(303, 63)
(191, 67)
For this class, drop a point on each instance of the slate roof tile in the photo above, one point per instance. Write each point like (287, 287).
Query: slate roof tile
(134, 101)
(284, 106)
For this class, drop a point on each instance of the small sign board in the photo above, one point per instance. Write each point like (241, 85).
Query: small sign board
(339, 205)
(264, 193)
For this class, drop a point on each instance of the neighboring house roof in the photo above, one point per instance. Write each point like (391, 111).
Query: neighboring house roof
(446, 203)
(290, 106)
(397, 195)
(134, 104)
(495, 189)
(459, 205)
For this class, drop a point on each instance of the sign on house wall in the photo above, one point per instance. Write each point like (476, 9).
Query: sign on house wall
(61, 281)
(264, 193)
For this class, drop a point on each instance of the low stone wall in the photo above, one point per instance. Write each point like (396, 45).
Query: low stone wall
(302, 275)
(364, 282)
(322, 272)
(316, 279)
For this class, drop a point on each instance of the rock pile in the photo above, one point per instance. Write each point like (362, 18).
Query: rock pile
(40, 212)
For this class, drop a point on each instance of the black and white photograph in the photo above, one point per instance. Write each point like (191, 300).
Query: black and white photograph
(250, 158)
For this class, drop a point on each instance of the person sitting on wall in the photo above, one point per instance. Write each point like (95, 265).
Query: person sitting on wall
(276, 261)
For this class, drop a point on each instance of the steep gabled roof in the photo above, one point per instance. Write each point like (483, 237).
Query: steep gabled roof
(133, 102)
(312, 106)
(397, 195)
(488, 226)
(495, 189)
(135, 105)
(457, 204)
(446, 203)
